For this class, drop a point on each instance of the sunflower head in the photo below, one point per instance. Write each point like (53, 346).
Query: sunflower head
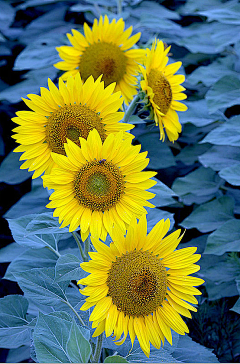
(99, 184)
(141, 285)
(67, 112)
(163, 90)
(103, 50)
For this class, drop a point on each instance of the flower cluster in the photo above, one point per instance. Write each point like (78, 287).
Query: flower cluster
(140, 284)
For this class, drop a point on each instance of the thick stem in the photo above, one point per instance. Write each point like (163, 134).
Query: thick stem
(75, 235)
(131, 108)
(86, 247)
(98, 349)
(119, 7)
(73, 309)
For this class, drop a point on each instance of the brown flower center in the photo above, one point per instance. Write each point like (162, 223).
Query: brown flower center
(137, 283)
(72, 121)
(161, 88)
(103, 58)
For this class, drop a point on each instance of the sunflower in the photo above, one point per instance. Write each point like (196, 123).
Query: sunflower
(104, 49)
(163, 90)
(99, 184)
(68, 112)
(140, 284)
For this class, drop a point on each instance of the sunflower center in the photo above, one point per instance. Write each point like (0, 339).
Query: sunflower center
(161, 89)
(99, 185)
(72, 122)
(137, 283)
(103, 58)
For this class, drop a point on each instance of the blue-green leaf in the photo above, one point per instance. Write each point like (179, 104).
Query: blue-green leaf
(219, 157)
(198, 114)
(226, 134)
(163, 194)
(10, 252)
(225, 239)
(115, 359)
(14, 329)
(231, 174)
(78, 346)
(18, 355)
(10, 171)
(211, 215)
(68, 268)
(227, 13)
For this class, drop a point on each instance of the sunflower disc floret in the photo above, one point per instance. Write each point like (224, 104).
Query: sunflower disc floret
(104, 49)
(67, 112)
(99, 184)
(163, 90)
(141, 285)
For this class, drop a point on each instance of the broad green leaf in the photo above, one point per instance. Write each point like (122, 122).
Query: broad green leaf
(197, 114)
(203, 182)
(236, 307)
(14, 329)
(231, 174)
(227, 13)
(159, 153)
(10, 252)
(50, 337)
(193, 6)
(219, 157)
(32, 202)
(224, 93)
(189, 154)
(211, 215)
(10, 171)
(38, 284)
(44, 223)
(20, 234)
(226, 134)
(18, 355)
(188, 351)
(225, 239)
(68, 268)
(210, 74)
(78, 346)
(6, 15)
(163, 194)
(29, 259)
(115, 359)
(227, 264)
(151, 8)
(223, 290)
(156, 356)
(155, 215)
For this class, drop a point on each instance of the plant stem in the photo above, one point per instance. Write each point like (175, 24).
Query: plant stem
(131, 108)
(98, 349)
(119, 7)
(75, 235)
(86, 247)
(73, 309)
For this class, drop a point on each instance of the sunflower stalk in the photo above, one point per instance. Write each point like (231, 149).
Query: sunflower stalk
(75, 235)
(131, 108)
(98, 349)
(73, 309)
(86, 247)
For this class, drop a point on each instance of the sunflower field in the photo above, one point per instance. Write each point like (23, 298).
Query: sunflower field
(119, 180)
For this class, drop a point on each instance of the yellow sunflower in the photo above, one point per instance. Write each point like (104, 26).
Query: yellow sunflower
(99, 184)
(68, 112)
(104, 49)
(140, 284)
(163, 90)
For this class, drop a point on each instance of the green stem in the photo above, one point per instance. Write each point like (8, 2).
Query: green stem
(131, 108)
(119, 7)
(75, 235)
(73, 309)
(98, 349)
(86, 247)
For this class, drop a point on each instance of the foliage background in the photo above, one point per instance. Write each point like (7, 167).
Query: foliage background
(199, 176)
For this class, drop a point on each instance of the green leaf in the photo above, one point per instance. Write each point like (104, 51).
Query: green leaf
(189, 155)
(14, 330)
(6, 15)
(155, 215)
(228, 265)
(236, 307)
(115, 359)
(163, 194)
(198, 114)
(223, 290)
(203, 182)
(193, 7)
(10, 252)
(38, 284)
(29, 259)
(10, 171)
(68, 268)
(231, 174)
(226, 238)
(210, 74)
(226, 134)
(188, 351)
(78, 346)
(163, 158)
(224, 93)
(51, 336)
(44, 223)
(156, 356)
(211, 215)
(219, 157)
(227, 13)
